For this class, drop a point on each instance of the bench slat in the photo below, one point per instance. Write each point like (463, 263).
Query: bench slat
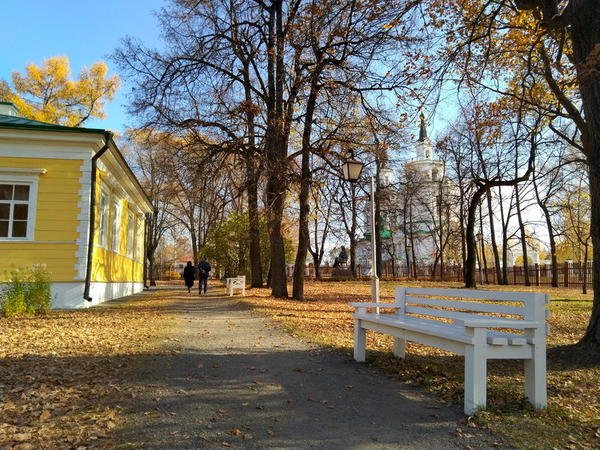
(471, 306)
(375, 305)
(523, 297)
(443, 313)
(495, 322)
(447, 331)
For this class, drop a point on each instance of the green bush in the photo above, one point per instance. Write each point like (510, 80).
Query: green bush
(27, 292)
(12, 298)
(37, 291)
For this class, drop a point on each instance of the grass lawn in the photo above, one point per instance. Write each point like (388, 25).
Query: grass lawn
(572, 419)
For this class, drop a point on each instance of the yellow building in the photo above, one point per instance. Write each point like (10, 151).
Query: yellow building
(69, 200)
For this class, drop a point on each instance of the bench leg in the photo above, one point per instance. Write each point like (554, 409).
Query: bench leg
(475, 380)
(399, 347)
(535, 379)
(360, 342)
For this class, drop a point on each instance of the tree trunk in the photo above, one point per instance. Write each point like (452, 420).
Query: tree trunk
(592, 334)
(317, 266)
(585, 261)
(275, 144)
(523, 237)
(413, 259)
(544, 207)
(252, 177)
(470, 264)
(585, 35)
(254, 234)
(303, 237)
(151, 275)
(504, 279)
(483, 255)
(552, 240)
(493, 238)
(463, 233)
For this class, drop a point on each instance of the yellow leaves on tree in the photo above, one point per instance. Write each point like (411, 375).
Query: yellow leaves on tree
(48, 94)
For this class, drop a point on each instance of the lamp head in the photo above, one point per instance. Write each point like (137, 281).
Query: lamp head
(351, 169)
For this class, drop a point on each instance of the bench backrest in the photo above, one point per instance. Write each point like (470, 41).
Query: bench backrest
(442, 304)
(239, 281)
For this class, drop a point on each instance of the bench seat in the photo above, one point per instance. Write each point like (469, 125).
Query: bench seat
(451, 333)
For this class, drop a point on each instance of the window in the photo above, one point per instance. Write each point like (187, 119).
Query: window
(139, 244)
(103, 219)
(130, 234)
(17, 208)
(116, 228)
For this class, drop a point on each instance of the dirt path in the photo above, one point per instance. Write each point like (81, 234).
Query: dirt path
(233, 379)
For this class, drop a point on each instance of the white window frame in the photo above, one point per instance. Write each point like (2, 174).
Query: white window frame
(115, 238)
(130, 233)
(103, 217)
(29, 177)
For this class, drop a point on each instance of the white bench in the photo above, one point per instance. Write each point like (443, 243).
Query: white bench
(480, 325)
(236, 283)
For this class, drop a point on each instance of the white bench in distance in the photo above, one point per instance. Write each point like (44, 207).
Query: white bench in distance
(236, 283)
(478, 324)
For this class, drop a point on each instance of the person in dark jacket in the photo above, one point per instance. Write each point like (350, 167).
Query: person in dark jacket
(203, 271)
(189, 275)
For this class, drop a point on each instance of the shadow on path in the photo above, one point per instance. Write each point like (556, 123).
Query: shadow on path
(229, 378)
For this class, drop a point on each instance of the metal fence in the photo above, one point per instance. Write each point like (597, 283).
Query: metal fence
(569, 274)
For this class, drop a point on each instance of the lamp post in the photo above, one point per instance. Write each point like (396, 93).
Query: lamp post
(351, 170)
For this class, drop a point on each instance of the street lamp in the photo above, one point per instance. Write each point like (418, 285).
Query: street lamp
(351, 170)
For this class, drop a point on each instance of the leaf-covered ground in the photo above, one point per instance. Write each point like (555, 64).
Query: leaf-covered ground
(63, 377)
(60, 373)
(572, 419)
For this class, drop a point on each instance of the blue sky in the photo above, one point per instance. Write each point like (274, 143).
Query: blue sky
(84, 30)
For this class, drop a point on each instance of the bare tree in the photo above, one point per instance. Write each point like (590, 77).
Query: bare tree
(148, 156)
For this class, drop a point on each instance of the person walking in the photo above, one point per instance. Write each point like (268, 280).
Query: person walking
(189, 275)
(203, 272)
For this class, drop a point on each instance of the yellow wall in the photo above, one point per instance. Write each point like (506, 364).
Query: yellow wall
(58, 258)
(56, 220)
(110, 265)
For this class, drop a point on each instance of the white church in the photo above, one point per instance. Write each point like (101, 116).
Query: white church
(411, 229)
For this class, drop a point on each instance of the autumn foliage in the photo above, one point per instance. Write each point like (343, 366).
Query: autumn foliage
(48, 94)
